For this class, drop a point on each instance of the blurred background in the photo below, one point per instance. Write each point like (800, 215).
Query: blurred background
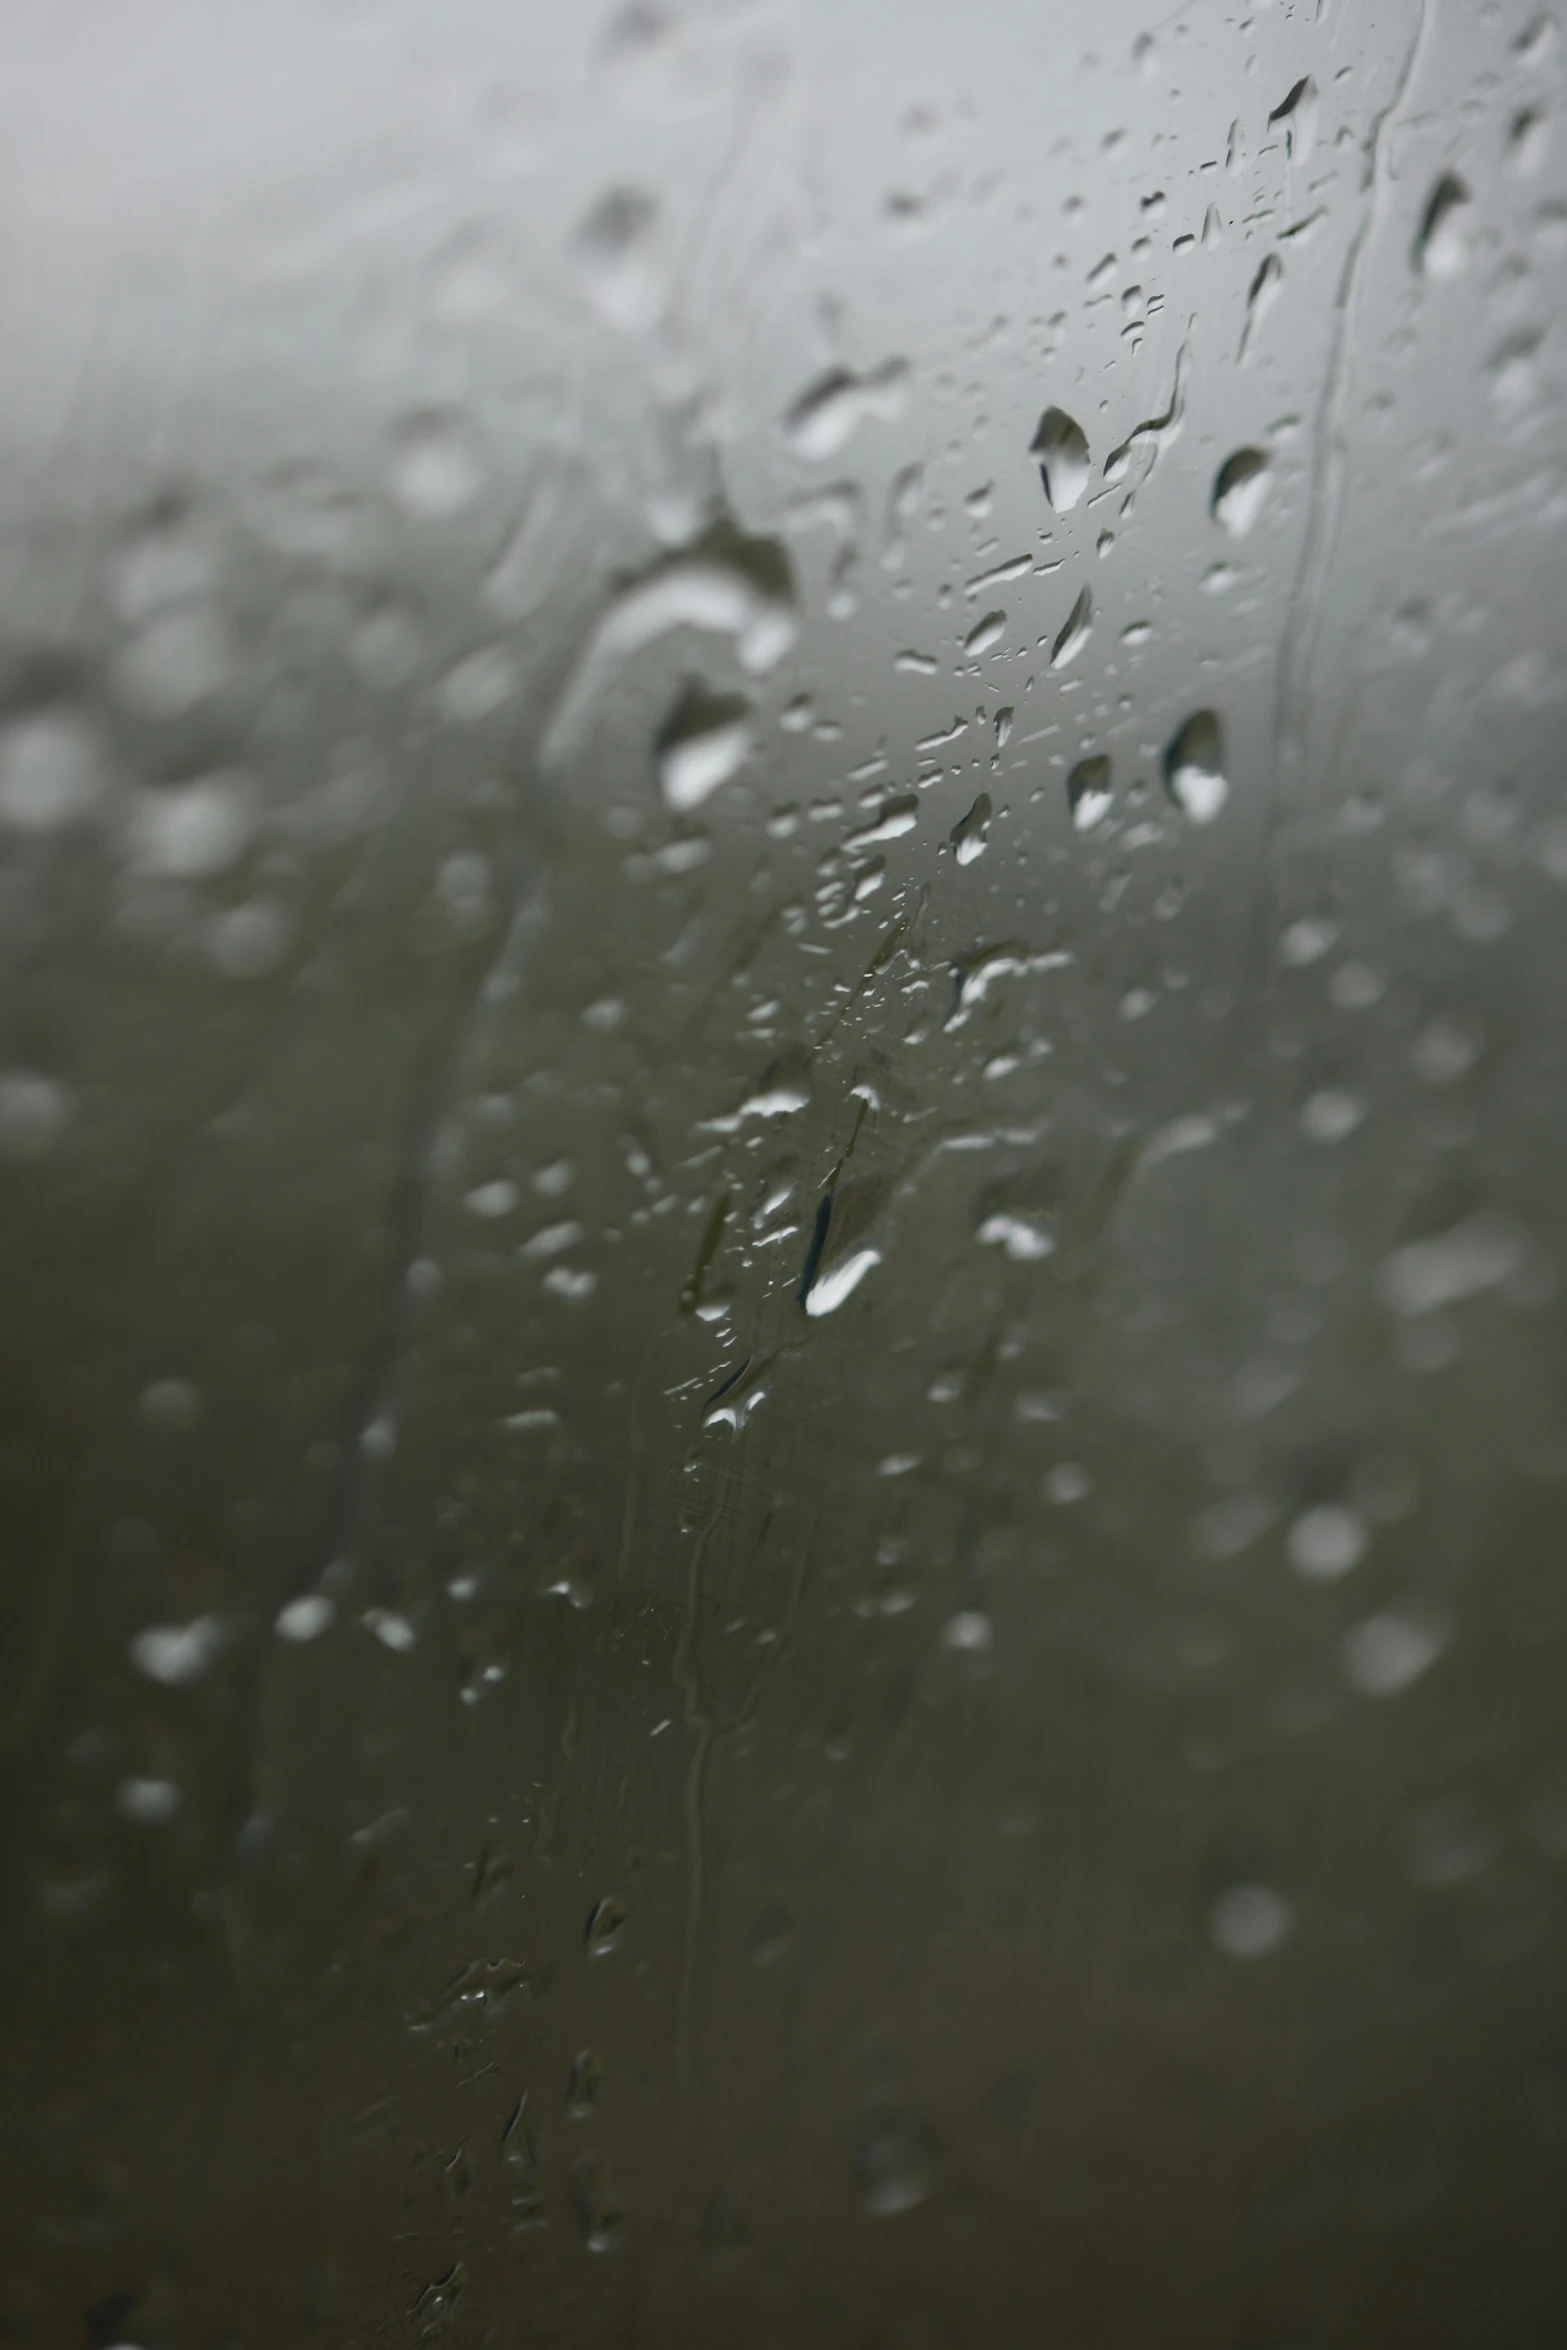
(783, 1103)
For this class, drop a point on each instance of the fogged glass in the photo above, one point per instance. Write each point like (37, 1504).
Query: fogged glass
(782, 1100)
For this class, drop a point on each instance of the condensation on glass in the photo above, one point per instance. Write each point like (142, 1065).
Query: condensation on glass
(783, 1104)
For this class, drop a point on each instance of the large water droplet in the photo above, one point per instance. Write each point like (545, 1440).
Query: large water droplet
(1194, 768)
(701, 745)
(725, 585)
(830, 410)
(983, 635)
(1240, 490)
(1442, 245)
(840, 1280)
(1074, 634)
(1062, 450)
(1298, 115)
(1088, 791)
(842, 1248)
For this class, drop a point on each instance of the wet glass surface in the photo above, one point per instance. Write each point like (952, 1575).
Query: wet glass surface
(782, 855)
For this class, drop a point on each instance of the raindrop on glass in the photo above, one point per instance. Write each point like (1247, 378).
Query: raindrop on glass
(1250, 1921)
(1442, 245)
(971, 832)
(1194, 768)
(1061, 447)
(1240, 490)
(701, 746)
(1088, 791)
(897, 2167)
(606, 1922)
(1074, 633)
(1326, 1542)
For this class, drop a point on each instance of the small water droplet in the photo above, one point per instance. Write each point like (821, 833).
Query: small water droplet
(897, 2166)
(971, 833)
(150, 1803)
(1331, 1115)
(171, 1407)
(1442, 243)
(1306, 941)
(1446, 1049)
(1067, 1482)
(1512, 369)
(392, 1630)
(606, 1922)
(1261, 295)
(1021, 1238)
(305, 1618)
(1088, 791)
(587, 2078)
(1250, 1921)
(614, 249)
(176, 1654)
(176, 660)
(1074, 634)
(1326, 1542)
(724, 2232)
(477, 686)
(34, 1113)
(1389, 1653)
(193, 831)
(772, 1936)
(596, 2203)
(1240, 490)
(1194, 768)
(1061, 447)
(386, 649)
(248, 941)
(51, 773)
(492, 1200)
(702, 745)
(435, 468)
(1528, 141)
